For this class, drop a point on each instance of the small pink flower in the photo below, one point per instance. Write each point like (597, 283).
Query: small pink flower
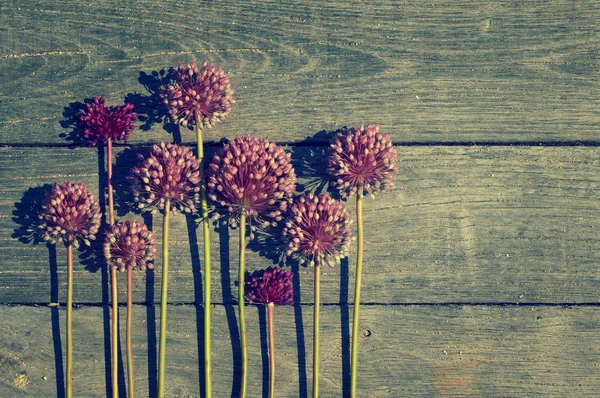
(169, 172)
(98, 123)
(271, 285)
(362, 158)
(318, 230)
(205, 92)
(68, 214)
(129, 244)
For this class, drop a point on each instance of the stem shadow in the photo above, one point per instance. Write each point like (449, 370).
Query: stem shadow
(55, 319)
(300, 339)
(264, 349)
(151, 324)
(345, 327)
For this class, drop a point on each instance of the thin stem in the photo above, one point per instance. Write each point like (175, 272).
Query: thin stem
(113, 279)
(357, 284)
(241, 282)
(206, 239)
(130, 387)
(111, 203)
(270, 308)
(69, 375)
(316, 323)
(162, 344)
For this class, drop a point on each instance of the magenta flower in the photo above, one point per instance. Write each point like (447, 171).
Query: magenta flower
(198, 94)
(169, 172)
(98, 123)
(318, 230)
(271, 285)
(129, 244)
(362, 159)
(68, 214)
(253, 176)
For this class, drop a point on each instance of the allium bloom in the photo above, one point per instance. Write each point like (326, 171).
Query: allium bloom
(205, 92)
(254, 176)
(271, 285)
(129, 244)
(98, 123)
(362, 158)
(169, 172)
(318, 230)
(69, 213)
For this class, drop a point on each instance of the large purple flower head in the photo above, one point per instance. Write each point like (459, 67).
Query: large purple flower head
(271, 285)
(318, 230)
(129, 244)
(169, 172)
(198, 92)
(362, 159)
(98, 123)
(254, 176)
(68, 214)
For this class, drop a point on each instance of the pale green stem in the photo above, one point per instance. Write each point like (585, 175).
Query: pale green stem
(113, 280)
(357, 284)
(270, 308)
(241, 282)
(316, 324)
(162, 344)
(130, 387)
(69, 375)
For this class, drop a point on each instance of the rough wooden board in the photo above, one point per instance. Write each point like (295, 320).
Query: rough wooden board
(405, 351)
(464, 224)
(453, 71)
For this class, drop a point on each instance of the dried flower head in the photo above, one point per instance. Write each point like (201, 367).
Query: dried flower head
(68, 214)
(204, 92)
(98, 123)
(254, 176)
(362, 158)
(318, 230)
(271, 285)
(169, 172)
(129, 244)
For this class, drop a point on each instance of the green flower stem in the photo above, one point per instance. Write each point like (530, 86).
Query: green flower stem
(270, 308)
(357, 284)
(241, 300)
(316, 323)
(162, 344)
(113, 280)
(130, 387)
(69, 375)
(206, 238)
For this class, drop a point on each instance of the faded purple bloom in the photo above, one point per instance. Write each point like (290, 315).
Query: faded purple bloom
(205, 92)
(68, 214)
(362, 158)
(254, 176)
(129, 244)
(271, 285)
(98, 123)
(169, 172)
(318, 230)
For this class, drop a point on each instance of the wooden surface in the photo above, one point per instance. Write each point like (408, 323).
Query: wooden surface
(481, 264)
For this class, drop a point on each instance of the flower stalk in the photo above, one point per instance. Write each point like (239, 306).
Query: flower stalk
(113, 280)
(316, 323)
(69, 376)
(241, 304)
(270, 308)
(162, 345)
(130, 385)
(357, 287)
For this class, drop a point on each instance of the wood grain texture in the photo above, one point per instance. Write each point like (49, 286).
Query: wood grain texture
(405, 351)
(450, 71)
(463, 224)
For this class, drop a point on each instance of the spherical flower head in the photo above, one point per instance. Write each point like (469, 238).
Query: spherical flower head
(68, 214)
(271, 285)
(169, 172)
(362, 159)
(129, 244)
(318, 230)
(98, 123)
(254, 176)
(204, 93)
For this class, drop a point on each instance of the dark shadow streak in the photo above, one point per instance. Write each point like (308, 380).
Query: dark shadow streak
(151, 324)
(264, 349)
(300, 340)
(54, 314)
(345, 327)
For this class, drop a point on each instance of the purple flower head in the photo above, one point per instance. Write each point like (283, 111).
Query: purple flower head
(254, 176)
(362, 159)
(98, 123)
(271, 285)
(129, 244)
(198, 92)
(169, 172)
(318, 230)
(68, 214)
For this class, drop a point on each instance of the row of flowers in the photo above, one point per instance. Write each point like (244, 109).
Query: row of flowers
(250, 182)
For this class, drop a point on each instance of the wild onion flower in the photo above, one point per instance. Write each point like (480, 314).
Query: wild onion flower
(68, 214)
(362, 160)
(99, 123)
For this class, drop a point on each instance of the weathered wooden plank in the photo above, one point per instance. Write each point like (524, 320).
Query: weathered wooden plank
(404, 351)
(464, 224)
(456, 71)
